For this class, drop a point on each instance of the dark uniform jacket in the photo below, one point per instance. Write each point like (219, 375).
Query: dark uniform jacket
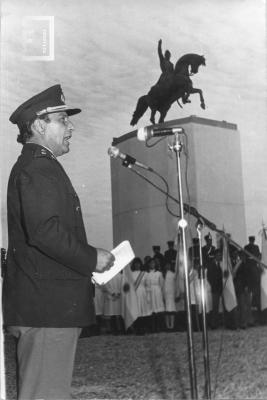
(243, 279)
(194, 257)
(49, 263)
(208, 253)
(255, 271)
(170, 256)
(215, 277)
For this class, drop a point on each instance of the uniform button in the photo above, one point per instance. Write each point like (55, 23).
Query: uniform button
(78, 208)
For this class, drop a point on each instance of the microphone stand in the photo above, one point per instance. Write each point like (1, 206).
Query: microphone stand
(182, 224)
(177, 147)
(207, 386)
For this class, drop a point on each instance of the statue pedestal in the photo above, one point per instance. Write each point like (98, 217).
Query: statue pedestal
(214, 180)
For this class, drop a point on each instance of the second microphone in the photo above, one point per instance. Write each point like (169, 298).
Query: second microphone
(128, 160)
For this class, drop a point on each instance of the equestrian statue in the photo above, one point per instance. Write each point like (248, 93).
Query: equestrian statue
(174, 84)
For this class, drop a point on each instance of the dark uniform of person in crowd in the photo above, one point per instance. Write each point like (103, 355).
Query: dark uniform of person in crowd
(3, 261)
(215, 278)
(194, 253)
(208, 251)
(158, 257)
(47, 289)
(255, 272)
(170, 254)
(243, 289)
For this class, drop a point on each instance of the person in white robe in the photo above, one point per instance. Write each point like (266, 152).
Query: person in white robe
(144, 303)
(112, 303)
(154, 283)
(169, 290)
(129, 303)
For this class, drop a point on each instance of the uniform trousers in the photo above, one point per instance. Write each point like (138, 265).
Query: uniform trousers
(216, 296)
(45, 360)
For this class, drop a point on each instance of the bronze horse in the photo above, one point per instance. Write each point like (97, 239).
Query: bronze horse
(174, 86)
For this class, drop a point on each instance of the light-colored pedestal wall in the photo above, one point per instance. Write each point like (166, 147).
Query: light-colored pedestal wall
(211, 178)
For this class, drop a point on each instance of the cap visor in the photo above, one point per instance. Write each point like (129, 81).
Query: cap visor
(69, 111)
(73, 111)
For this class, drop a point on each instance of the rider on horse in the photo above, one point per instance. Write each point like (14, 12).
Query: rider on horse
(166, 82)
(166, 65)
(173, 84)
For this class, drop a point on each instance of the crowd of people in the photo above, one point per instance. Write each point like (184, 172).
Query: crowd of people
(160, 295)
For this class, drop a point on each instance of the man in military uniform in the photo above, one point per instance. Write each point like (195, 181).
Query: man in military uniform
(215, 278)
(193, 253)
(158, 256)
(47, 289)
(208, 251)
(255, 273)
(170, 254)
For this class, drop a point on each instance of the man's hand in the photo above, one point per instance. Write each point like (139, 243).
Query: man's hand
(105, 260)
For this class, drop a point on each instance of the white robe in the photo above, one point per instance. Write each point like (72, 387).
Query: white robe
(154, 282)
(170, 291)
(144, 303)
(112, 296)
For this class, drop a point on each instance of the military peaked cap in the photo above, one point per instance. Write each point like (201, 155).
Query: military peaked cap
(49, 101)
(156, 247)
(208, 236)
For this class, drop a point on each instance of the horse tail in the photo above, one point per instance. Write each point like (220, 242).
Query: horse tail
(141, 107)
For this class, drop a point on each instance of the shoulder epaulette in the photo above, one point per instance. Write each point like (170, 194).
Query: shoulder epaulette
(42, 152)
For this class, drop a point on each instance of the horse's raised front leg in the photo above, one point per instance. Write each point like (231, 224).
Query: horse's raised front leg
(185, 98)
(202, 101)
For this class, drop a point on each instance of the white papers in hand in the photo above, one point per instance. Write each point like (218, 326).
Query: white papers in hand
(123, 254)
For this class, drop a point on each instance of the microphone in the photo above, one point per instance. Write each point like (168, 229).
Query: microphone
(199, 224)
(127, 160)
(148, 132)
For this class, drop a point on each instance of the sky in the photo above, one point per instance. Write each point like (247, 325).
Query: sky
(105, 57)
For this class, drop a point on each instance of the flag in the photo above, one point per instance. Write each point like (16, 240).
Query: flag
(179, 265)
(129, 305)
(179, 274)
(196, 292)
(229, 296)
(264, 272)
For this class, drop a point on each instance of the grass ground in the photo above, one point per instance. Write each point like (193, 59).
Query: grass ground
(155, 366)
